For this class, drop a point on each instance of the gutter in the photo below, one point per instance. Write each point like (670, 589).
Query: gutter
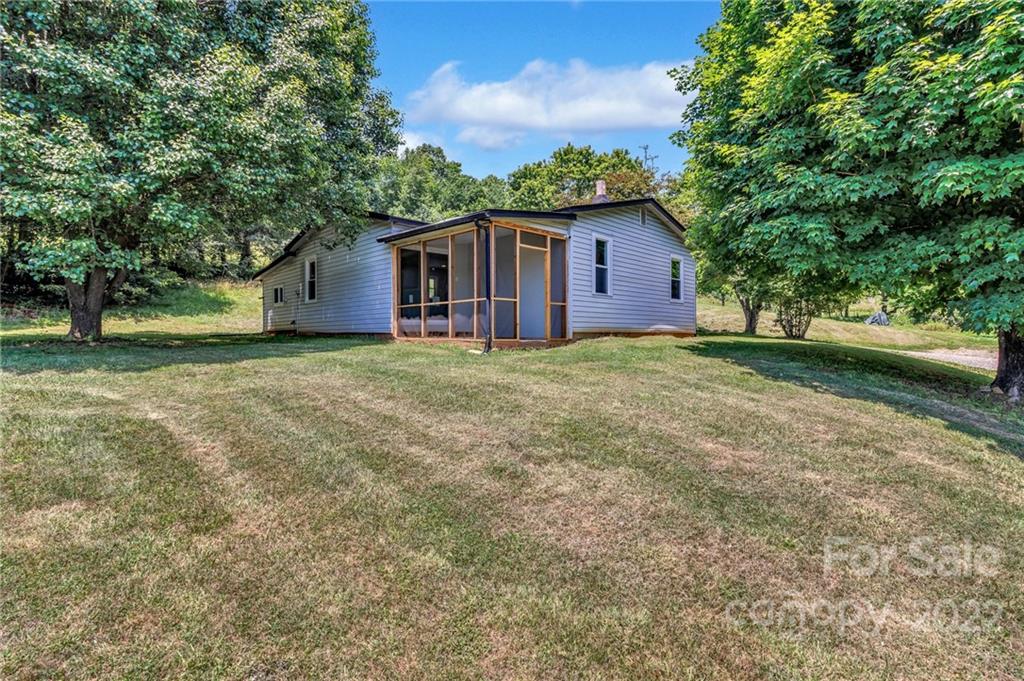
(484, 225)
(489, 214)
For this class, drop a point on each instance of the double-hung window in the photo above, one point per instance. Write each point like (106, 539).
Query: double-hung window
(311, 279)
(676, 278)
(602, 265)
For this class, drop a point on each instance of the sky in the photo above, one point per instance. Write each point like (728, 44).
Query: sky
(499, 84)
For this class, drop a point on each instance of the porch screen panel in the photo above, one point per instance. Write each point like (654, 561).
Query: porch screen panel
(533, 239)
(437, 270)
(437, 320)
(462, 266)
(462, 324)
(410, 277)
(504, 319)
(436, 284)
(409, 321)
(483, 320)
(481, 264)
(504, 263)
(558, 321)
(557, 271)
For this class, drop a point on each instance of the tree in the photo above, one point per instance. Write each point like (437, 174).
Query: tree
(422, 183)
(715, 178)
(129, 127)
(879, 142)
(568, 178)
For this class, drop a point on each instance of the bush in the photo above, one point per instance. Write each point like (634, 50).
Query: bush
(794, 315)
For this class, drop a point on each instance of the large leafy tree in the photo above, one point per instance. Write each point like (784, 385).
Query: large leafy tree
(132, 126)
(879, 142)
(568, 177)
(425, 184)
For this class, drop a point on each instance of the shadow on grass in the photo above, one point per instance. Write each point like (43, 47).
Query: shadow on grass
(143, 351)
(911, 385)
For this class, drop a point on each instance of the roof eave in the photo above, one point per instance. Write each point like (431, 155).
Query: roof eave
(287, 252)
(626, 203)
(489, 214)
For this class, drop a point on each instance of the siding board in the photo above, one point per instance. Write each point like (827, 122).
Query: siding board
(640, 266)
(353, 287)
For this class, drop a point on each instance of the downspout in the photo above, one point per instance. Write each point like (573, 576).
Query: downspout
(484, 224)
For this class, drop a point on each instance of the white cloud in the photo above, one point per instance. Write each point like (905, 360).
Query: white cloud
(550, 98)
(412, 139)
(487, 137)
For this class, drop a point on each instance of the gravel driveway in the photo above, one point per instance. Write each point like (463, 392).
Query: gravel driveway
(978, 359)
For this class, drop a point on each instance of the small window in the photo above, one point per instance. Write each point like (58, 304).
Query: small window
(310, 280)
(279, 294)
(676, 278)
(643, 216)
(602, 266)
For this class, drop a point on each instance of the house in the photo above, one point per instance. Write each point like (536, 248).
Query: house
(507, 277)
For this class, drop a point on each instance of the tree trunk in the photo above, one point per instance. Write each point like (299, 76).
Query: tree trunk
(5, 266)
(751, 314)
(115, 285)
(244, 257)
(86, 304)
(1010, 369)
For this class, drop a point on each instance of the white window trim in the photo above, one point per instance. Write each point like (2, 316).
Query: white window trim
(278, 300)
(305, 281)
(610, 257)
(682, 292)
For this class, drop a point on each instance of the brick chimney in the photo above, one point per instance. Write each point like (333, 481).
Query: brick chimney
(600, 193)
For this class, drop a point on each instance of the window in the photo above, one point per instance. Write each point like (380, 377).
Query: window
(279, 294)
(643, 216)
(602, 265)
(310, 279)
(676, 278)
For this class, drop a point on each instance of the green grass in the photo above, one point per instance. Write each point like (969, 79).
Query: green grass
(204, 308)
(176, 503)
(712, 316)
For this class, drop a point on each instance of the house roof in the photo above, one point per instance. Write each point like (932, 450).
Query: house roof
(478, 215)
(653, 203)
(417, 227)
(288, 251)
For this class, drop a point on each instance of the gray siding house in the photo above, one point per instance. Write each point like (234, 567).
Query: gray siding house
(498, 277)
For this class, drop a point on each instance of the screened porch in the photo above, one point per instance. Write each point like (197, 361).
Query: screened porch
(505, 280)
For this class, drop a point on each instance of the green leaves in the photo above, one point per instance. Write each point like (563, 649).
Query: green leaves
(877, 142)
(74, 258)
(133, 124)
(974, 176)
(568, 177)
(422, 183)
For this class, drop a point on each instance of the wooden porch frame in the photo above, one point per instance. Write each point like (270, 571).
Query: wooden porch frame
(478, 295)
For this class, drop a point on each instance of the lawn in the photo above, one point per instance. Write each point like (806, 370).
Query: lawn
(901, 335)
(188, 504)
(207, 308)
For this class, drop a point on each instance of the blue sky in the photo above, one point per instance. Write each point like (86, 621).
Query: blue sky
(500, 84)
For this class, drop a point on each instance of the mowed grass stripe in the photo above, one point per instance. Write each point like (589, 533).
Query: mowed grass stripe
(591, 510)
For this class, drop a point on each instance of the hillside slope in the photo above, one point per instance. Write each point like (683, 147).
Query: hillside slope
(241, 506)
